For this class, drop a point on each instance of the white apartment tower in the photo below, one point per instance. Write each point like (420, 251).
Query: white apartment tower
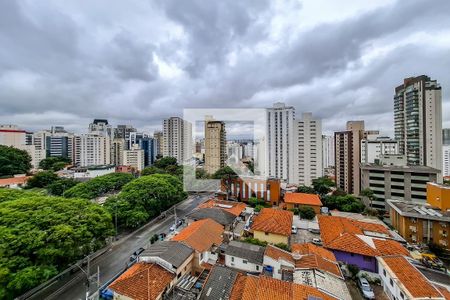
(280, 142)
(134, 158)
(327, 151)
(92, 150)
(418, 121)
(177, 139)
(373, 149)
(308, 150)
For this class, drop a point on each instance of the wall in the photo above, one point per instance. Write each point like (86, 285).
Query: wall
(277, 266)
(366, 263)
(270, 237)
(438, 196)
(238, 263)
(292, 205)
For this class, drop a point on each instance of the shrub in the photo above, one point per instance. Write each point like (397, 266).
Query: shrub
(307, 212)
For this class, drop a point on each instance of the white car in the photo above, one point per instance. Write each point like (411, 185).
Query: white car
(365, 288)
(317, 241)
(294, 230)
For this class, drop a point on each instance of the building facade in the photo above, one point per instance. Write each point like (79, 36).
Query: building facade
(418, 121)
(397, 182)
(159, 137)
(446, 160)
(117, 148)
(177, 139)
(308, 150)
(243, 188)
(215, 146)
(135, 158)
(92, 150)
(328, 151)
(280, 142)
(374, 149)
(348, 157)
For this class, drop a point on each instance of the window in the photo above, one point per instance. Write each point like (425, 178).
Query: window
(257, 268)
(391, 282)
(384, 272)
(266, 233)
(201, 256)
(402, 295)
(244, 261)
(232, 259)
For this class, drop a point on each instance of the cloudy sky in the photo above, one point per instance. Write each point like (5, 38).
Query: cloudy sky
(137, 62)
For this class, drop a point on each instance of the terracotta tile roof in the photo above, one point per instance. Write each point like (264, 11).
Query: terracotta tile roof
(143, 281)
(443, 291)
(201, 235)
(14, 180)
(390, 247)
(413, 280)
(273, 221)
(302, 198)
(348, 235)
(266, 288)
(309, 248)
(236, 207)
(314, 261)
(277, 253)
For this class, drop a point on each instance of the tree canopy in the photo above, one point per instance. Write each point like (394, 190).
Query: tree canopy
(145, 198)
(41, 235)
(58, 187)
(13, 161)
(346, 203)
(41, 179)
(165, 162)
(99, 186)
(54, 163)
(306, 212)
(323, 185)
(306, 189)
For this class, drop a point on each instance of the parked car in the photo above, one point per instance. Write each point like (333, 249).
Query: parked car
(317, 241)
(314, 230)
(365, 288)
(136, 253)
(172, 228)
(294, 230)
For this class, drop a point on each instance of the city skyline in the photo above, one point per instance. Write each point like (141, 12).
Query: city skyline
(139, 69)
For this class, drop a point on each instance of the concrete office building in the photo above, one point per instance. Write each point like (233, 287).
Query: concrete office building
(150, 147)
(418, 121)
(327, 151)
(135, 158)
(159, 138)
(404, 183)
(92, 150)
(117, 148)
(308, 150)
(348, 157)
(280, 142)
(215, 145)
(373, 149)
(177, 139)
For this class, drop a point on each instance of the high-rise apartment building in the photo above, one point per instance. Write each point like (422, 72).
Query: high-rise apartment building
(374, 149)
(135, 158)
(117, 148)
(159, 139)
(418, 121)
(177, 139)
(101, 127)
(123, 131)
(446, 160)
(215, 145)
(234, 152)
(348, 157)
(280, 142)
(308, 150)
(327, 151)
(92, 150)
(446, 136)
(150, 147)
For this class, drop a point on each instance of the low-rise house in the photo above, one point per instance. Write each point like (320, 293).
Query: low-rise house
(236, 208)
(299, 200)
(219, 284)
(273, 226)
(204, 236)
(358, 243)
(278, 263)
(401, 280)
(16, 182)
(174, 256)
(143, 281)
(265, 288)
(222, 217)
(244, 256)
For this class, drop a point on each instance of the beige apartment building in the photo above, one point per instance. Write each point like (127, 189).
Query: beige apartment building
(215, 146)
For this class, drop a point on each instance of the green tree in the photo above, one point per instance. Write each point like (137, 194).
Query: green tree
(368, 193)
(306, 212)
(41, 179)
(152, 170)
(99, 186)
(54, 163)
(58, 187)
(226, 174)
(283, 246)
(306, 189)
(13, 161)
(144, 198)
(165, 162)
(323, 185)
(201, 174)
(255, 241)
(41, 235)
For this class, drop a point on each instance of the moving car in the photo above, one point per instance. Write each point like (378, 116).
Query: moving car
(136, 253)
(365, 288)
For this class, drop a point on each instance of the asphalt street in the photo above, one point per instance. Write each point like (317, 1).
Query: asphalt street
(115, 260)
